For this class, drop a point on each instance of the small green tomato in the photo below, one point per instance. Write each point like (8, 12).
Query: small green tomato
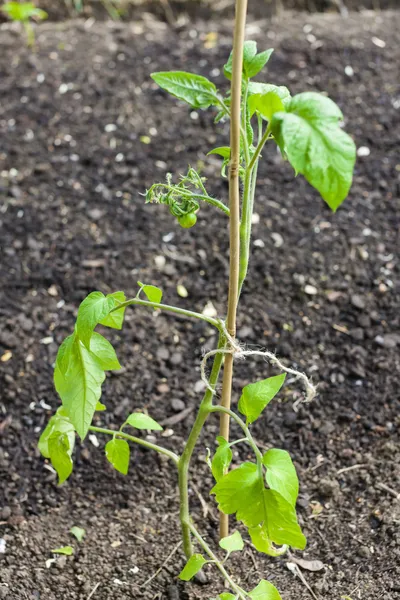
(187, 221)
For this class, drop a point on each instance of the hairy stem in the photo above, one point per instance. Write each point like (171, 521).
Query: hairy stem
(260, 146)
(234, 218)
(184, 461)
(167, 308)
(238, 591)
(131, 438)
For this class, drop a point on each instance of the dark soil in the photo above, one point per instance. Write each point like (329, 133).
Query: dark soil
(72, 220)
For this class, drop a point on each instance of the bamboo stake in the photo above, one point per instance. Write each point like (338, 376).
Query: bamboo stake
(234, 218)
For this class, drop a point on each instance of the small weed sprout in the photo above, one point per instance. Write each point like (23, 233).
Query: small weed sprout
(261, 492)
(23, 13)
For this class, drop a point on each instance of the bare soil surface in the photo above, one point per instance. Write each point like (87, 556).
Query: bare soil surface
(76, 117)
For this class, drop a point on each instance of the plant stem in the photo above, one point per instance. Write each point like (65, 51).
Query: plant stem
(217, 562)
(174, 457)
(184, 461)
(167, 308)
(242, 424)
(234, 218)
(260, 146)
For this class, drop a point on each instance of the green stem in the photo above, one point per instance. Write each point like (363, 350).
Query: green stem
(184, 461)
(260, 146)
(213, 202)
(167, 308)
(242, 425)
(217, 562)
(174, 457)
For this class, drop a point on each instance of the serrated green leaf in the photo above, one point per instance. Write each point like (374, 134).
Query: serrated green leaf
(118, 453)
(80, 388)
(262, 543)
(256, 396)
(256, 87)
(221, 459)
(60, 455)
(281, 474)
(142, 421)
(104, 352)
(152, 293)
(265, 104)
(196, 90)
(308, 133)
(94, 309)
(116, 318)
(193, 566)
(252, 62)
(257, 63)
(223, 151)
(78, 532)
(67, 550)
(232, 543)
(265, 591)
(242, 491)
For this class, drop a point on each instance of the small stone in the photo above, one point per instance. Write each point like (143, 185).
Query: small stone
(176, 359)
(177, 405)
(173, 593)
(363, 552)
(310, 290)
(390, 340)
(358, 301)
(199, 386)
(363, 151)
(5, 513)
(95, 214)
(329, 488)
(278, 239)
(162, 353)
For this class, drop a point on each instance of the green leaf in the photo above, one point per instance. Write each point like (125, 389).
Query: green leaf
(59, 423)
(117, 453)
(252, 62)
(142, 421)
(262, 543)
(152, 293)
(221, 459)
(64, 353)
(94, 309)
(255, 87)
(265, 591)
(258, 62)
(232, 543)
(223, 151)
(265, 104)
(242, 491)
(256, 396)
(104, 352)
(80, 388)
(196, 90)
(100, 406)
(226, 596)
(281, 474)
(67, 550)
(310, 136)
(116, 318)
(78, 532)
(60, 455)
(193, 566)
(281, 521)
(23, 11)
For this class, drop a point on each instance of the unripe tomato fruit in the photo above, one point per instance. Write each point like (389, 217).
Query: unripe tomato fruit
(187, 221)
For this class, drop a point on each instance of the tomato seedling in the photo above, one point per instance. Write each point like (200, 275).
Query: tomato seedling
(261, 492)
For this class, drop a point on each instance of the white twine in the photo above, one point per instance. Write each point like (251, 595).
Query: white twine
(239, 351)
